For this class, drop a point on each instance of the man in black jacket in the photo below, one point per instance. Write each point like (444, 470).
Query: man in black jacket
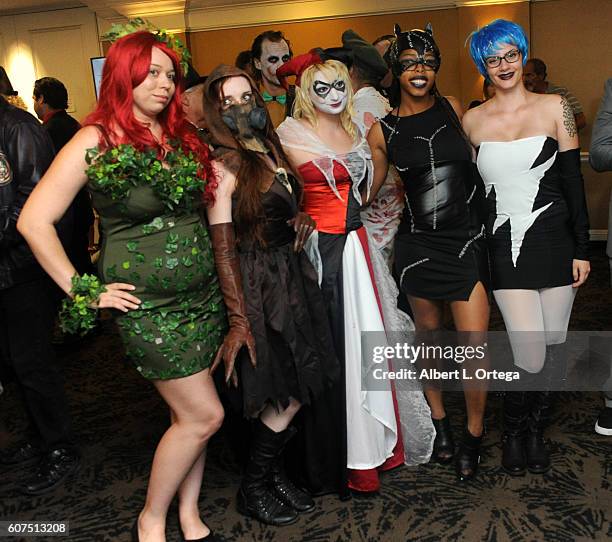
(28, 306)
(50, 103)
(600, 156)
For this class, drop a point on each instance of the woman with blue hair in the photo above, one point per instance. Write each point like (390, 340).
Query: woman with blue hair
(537, 227)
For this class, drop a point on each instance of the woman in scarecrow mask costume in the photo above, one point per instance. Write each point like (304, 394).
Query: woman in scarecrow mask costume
(439, 249)
(257, 230)
(333, 158)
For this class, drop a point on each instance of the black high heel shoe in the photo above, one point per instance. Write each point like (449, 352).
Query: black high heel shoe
(443, 446)
(467, 457)
(210, 537)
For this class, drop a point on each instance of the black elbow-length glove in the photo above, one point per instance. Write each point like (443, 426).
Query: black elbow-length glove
(572, 185)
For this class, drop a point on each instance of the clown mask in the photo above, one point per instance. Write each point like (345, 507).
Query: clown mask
(273, 56)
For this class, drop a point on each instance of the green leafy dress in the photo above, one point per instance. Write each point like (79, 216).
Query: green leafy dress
(152, 237)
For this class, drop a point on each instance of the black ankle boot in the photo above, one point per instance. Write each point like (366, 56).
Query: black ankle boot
(468, 456)
(284, 488)
(255, 499)
(443, 446)
(516, 409)
(538, 457)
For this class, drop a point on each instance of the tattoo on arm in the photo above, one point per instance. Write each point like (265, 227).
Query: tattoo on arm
(568, 118)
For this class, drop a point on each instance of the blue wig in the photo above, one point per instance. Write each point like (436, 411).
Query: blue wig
(489, 39)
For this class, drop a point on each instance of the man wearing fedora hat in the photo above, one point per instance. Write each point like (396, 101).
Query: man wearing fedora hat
(368, 68)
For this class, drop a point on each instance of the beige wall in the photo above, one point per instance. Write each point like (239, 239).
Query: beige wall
(54, 44)
(574, 38)
(221, 46)
(457, 77)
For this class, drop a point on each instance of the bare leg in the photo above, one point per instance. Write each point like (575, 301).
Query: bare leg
(472, 321)
(428, 317)
(473, 316)
(279, 420)
(192, 525)
(198, 415)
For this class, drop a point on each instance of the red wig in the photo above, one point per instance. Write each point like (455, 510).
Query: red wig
(126, 66)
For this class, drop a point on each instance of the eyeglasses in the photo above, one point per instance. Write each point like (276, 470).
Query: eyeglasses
(410, 64)
(511, 56)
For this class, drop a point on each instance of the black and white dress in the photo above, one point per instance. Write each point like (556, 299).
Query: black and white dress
(537, 221)
(440, 250)
(537, 225)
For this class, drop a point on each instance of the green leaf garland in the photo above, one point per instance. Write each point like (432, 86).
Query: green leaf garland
(77, 316)
(116, 170)
(138, 24)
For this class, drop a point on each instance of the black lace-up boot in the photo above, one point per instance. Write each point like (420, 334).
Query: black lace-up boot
(255, 498)
(285, 489)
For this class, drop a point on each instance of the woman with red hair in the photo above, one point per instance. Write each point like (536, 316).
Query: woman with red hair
(147, 173)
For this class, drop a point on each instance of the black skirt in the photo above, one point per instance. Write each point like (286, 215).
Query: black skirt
(317, 456)
(544, 260)
(295, 352)
(441, 264)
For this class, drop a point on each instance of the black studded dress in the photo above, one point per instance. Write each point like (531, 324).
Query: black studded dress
(440, 250)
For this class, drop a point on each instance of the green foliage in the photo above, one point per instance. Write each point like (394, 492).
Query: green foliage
(138, 24)
(178, 181)
(78, 313)
(133, 25)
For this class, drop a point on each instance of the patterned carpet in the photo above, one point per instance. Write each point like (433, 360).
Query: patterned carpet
(119, 418)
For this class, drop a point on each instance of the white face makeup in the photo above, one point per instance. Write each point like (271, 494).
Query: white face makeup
(273, 56)
(328, 96)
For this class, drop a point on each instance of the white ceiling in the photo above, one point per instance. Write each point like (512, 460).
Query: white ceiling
(198, 4)
(13, 7)
(214, 14)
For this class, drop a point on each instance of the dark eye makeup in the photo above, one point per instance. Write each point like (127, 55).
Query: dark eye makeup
(322, 89)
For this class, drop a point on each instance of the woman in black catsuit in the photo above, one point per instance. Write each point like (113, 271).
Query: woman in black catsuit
(439, 252)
